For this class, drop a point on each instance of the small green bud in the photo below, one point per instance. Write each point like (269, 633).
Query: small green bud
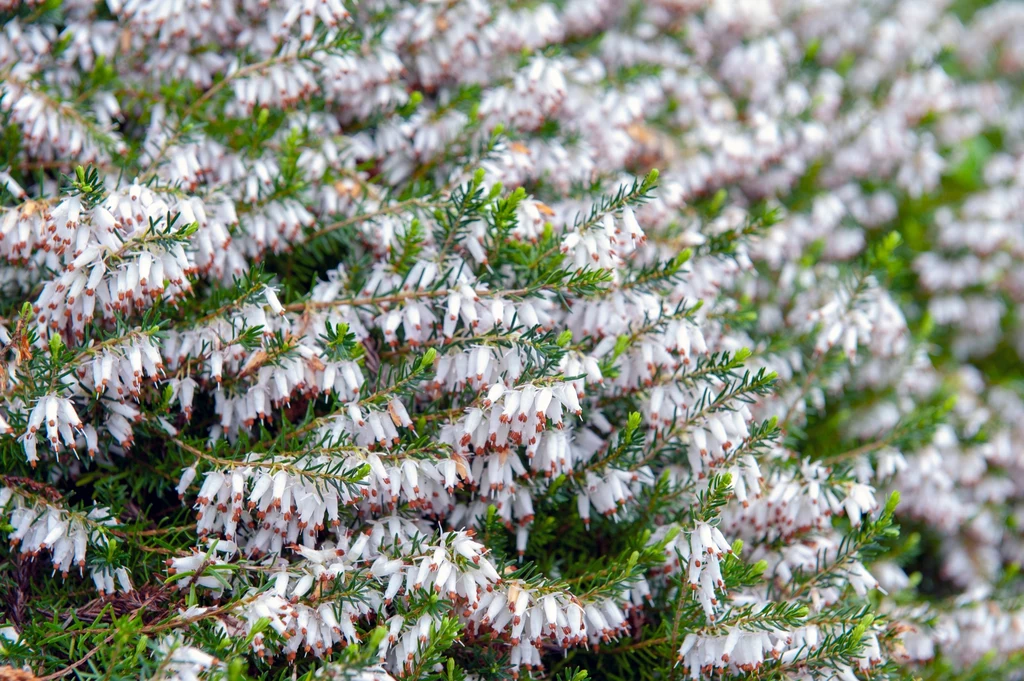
(717, 201)
(621, 343)
(892, 241)
(682, 258)
(883, 253)
(373, 641)
(927, 326)
(747, 317)
(56, 343)
(140, 646)
(235, 666)
(862, 627)
(892, 503)
(564, 339)
(812, 49)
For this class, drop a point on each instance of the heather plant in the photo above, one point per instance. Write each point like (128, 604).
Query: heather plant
(466, 340)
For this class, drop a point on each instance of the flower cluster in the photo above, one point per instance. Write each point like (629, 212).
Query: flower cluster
(391, 340)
